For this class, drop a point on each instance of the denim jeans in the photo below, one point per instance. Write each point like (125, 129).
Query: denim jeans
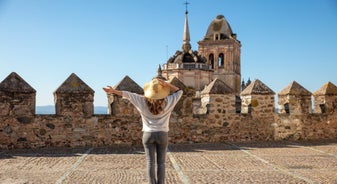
(155, 144)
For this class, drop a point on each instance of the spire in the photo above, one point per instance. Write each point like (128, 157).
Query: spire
(159, 74)
(186, 37)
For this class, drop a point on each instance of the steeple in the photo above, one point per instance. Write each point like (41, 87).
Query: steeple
(187, 65)
(186, 37)
(159, 74)
(187, 55)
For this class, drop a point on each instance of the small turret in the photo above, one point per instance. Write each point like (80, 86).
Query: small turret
(294, 99)
(160, 74)
(74, 98)
(120, 106)
(217, 99)
(325, 98)
(17, 97)
(258, 99)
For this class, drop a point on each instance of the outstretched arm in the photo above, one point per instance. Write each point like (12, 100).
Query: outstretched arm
(110, 90)
(171, 86)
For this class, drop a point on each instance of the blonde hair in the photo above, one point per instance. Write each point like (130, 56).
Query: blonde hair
(156, 106)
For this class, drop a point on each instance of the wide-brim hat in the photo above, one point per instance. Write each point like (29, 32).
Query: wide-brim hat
(154, 90)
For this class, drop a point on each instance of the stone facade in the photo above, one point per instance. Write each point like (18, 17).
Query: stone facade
(325, 98)
(210, 116)
(218, 57)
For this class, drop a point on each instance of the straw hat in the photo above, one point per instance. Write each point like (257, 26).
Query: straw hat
(154, 90)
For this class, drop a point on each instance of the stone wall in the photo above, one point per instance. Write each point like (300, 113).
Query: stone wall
(212, 117)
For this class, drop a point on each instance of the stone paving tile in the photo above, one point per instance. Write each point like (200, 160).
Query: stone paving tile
(310, 163)
(319, 175)
(116, 165)
(116, 176)
(308, 166)
(196, 148)
(242, 177)
(106, 162)
(107, 176)
(219, 162)
(268, 162)
(35, 166)
(328, 149)
(282, 151)
(228, 165)
(304, 162)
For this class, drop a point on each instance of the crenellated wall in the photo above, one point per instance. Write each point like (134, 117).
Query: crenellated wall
(208, 116)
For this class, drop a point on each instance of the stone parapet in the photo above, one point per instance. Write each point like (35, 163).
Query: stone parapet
(210, 117)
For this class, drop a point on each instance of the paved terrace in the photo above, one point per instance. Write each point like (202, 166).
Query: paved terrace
(267, 162)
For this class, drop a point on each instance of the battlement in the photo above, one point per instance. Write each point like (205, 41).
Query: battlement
(214, 114)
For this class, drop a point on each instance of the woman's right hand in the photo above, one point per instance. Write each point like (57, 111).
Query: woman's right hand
(110, 90)
(171, 86)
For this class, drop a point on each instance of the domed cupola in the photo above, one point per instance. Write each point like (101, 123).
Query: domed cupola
(219, 29)
(186, 57)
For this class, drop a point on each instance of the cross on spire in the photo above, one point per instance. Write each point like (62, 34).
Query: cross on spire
(186, 3)
(186, 37)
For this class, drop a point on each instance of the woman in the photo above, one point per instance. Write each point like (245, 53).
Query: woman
(155, 108)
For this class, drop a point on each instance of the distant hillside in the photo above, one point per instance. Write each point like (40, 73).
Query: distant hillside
(50, 109)
(100, 110)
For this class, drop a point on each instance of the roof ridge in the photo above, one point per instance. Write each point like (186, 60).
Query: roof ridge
(74, 84)
(257, 87)
(15, 83)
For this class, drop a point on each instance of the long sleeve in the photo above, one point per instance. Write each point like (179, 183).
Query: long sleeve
(154, 123)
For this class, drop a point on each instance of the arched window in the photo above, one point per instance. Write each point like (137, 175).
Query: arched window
(216, 36)
(221, 60)
(211, 60)
(222, 36)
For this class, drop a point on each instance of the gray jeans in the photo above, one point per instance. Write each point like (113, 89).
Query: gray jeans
(155, 143)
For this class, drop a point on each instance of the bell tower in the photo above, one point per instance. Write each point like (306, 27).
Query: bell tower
(222, 51)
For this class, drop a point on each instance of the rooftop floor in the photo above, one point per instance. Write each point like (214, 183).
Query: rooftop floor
(262, 162)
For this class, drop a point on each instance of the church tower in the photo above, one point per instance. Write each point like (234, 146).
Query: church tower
(187, 65)
(222, 52)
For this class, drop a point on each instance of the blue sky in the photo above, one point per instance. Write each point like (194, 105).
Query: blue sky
(102, 41)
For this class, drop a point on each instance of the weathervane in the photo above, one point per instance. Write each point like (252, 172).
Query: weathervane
(186, 3)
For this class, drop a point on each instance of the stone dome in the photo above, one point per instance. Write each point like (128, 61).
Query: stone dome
(186, 57)
(219, 27)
